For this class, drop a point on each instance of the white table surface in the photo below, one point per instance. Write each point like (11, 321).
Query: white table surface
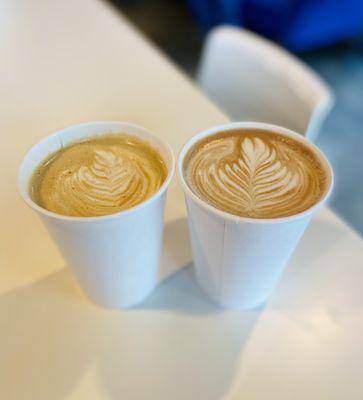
(77, 60)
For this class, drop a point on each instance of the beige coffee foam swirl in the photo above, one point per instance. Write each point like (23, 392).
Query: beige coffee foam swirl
(100, 177)
(255, 175)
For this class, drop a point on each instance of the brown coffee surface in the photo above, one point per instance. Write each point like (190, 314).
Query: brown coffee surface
(99, 176)
(255, 173)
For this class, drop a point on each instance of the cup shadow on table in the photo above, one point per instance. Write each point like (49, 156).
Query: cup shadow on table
(176, 344)
(176, 251)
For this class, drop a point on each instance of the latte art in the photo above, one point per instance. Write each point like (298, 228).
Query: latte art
(255, 175)
(99, 177)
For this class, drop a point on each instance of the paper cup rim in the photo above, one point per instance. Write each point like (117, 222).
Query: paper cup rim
(263, 126)
(24, 192)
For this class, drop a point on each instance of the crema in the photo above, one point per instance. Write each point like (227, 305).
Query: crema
(99, 176)
(255, 174)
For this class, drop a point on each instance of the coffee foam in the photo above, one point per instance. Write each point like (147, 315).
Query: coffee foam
(255, 174)
(98, 177)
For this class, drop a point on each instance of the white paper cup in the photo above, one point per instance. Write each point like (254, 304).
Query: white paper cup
(115, 257)
(238, 261)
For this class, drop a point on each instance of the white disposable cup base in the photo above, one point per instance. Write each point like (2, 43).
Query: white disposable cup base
(114, 257)
(238, 261)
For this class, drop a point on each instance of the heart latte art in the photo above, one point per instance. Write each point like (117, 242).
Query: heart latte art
(98, 177)
(255, 174)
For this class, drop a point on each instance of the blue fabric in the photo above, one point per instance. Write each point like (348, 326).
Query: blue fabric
(298, 24)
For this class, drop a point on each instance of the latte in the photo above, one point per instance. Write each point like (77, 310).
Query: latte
(99, 176)
(255, 173)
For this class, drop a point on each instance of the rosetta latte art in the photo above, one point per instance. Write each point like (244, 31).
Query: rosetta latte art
(93, 179)
(253, 176)
(113, 182)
